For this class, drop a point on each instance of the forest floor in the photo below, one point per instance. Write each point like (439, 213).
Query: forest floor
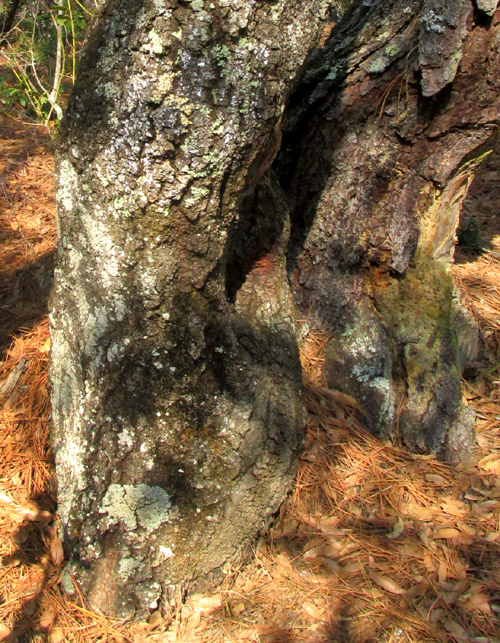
(374, 544)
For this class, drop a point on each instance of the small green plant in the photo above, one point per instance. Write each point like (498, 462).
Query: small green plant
(10, 95)
(41, 52)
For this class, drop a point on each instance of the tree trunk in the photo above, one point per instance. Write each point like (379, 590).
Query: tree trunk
(177, 392)
(10, 16)
(177, 396)
(393, 117)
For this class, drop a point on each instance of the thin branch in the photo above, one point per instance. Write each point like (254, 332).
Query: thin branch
(58, 71)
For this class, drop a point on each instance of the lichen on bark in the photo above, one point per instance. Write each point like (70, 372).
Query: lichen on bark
(375, 164)
(177, 393)
(177, 404)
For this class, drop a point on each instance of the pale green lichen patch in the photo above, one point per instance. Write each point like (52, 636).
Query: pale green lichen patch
(379, 65)
(66, 185)
(197, 5)
(137, 506)
(173, 104)
(127, 567)
(160, 6)
(156, 42)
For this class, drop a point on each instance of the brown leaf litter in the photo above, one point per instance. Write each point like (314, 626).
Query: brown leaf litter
(374, 544)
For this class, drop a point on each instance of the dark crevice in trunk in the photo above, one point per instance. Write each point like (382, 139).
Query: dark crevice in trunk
(259, 226)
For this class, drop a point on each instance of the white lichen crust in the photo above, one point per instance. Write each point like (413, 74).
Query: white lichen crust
(177, 407)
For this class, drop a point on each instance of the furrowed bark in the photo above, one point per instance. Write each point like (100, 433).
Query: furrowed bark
(177, 394)
(392, 114)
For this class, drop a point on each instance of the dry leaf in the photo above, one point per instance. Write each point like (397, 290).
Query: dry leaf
(457, 631)
(323, 551)
(472, 497)
(155, 620)
(487, 505)
(483, 509)
(194, 620)
(238, 609)
(57, 552)
(314, 611)
(207, 604)
(140, 638)
(410, 548)
(8, 385)
(397, 530)
(435, 478)
(4, 631)
(386, 583)
(454, 507)
(447, 533)
(452, 592)
(479, 601)
(47, 618)
(459, 569)
(328, 526)
(285, 530)
(437, 615)
(482, 440)
(419, 513)
(490, 457)
(428, 562)
(351, 569)
(57, 635)
(493, 466)
(45, 348)
(39, 516)
(469, 530)
(353, 480)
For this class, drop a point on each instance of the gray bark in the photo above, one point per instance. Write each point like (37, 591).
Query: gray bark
(487, 6)
(177, 393)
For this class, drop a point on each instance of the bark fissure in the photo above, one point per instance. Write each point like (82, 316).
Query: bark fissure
(189, 233)
(387, 143)
(178, 413)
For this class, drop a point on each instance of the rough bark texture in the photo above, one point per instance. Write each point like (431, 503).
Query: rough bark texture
(176, 381)
(177, 394)
(391, 124)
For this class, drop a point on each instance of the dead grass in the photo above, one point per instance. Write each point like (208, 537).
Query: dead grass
(375, 544)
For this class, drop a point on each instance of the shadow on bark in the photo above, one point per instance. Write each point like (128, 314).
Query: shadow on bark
(219, 440)
(363, 160)
(478, 221)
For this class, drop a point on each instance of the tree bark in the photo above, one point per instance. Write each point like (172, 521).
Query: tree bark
(177, 392)
(378, 154)
(10, 16)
